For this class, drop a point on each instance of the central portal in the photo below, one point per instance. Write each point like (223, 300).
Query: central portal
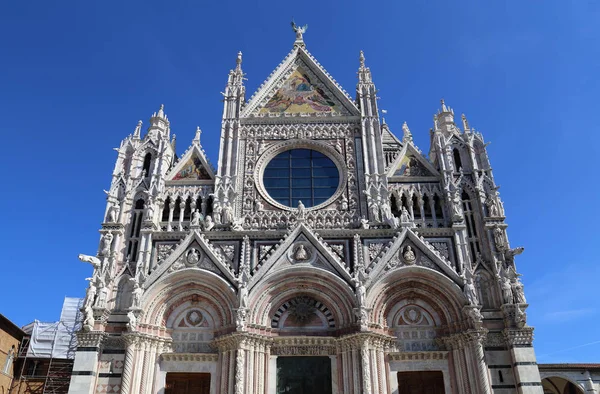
(303, 375)
(187, 383)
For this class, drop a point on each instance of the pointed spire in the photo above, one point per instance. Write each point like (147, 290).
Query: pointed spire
(465, 123)
(407, 138)
(196, 139)
(138, 130)
(364, 73)
(161, 112)
(446, 109)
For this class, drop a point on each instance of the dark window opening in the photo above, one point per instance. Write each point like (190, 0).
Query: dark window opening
(457, 161)
(147, 161)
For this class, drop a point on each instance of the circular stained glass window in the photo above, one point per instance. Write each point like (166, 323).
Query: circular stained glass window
(301, 175)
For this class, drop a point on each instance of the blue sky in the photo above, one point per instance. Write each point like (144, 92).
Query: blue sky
(75, 77)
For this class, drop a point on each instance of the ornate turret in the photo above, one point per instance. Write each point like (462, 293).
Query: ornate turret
(159, 124)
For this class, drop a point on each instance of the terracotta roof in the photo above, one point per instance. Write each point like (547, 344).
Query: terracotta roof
(569, 366)
(10, 327)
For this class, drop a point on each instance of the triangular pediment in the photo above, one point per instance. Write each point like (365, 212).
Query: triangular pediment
(408, 249)
(302, 248)
(192, 167)
(300, 87)
(411, 164)
(194, 252)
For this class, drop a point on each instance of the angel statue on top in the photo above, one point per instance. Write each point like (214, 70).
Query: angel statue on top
(299, 30)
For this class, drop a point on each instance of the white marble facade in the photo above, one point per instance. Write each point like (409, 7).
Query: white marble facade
(400, 263)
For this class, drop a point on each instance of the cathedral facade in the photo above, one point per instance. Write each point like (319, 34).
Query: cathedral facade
(322, 255)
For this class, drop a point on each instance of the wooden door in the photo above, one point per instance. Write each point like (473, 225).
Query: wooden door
(187, 383)
(421, 382)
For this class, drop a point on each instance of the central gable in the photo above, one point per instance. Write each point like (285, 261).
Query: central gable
(300, 95)
(300, 87)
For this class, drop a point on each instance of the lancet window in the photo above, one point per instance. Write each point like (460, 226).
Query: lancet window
(134, 230)
(147, 162)
(457, 161)
(471, 225)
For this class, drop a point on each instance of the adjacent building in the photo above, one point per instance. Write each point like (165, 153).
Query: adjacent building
(10, 339)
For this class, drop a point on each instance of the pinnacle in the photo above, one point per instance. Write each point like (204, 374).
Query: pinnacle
(238, 61)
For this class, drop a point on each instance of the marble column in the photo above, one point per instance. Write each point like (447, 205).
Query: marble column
(127, 375)
(475, 340)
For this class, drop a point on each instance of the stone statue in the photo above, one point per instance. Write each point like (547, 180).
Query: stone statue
(196, 218)
(208, 223)
(499, 238)
(457, 214)
(132, 321)
(227, 214)
(409, 255)
(470, 292)
(240, 318)
(374, 210)
(106, 243)
(364, 224)
(301, 254)
(344, 203)
(361, 293)
(102, 293)
(404, 215)
(113, 213)
(88, 319)
(258, 206)
(475, 316)
(136, 294)
(217, 212)
(517, 291)
(94, 261)
(90, 294)
(299, 30)
(301, 211)
(492, 205)
(149, 211)
(243, 293)
(507, 295)
(520, 318)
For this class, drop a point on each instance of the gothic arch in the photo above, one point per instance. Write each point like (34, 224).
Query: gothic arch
(275, 290)
(441, 297)
(162, 298)
(122, 292)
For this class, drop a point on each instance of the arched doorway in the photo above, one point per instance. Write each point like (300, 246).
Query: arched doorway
(557, 385)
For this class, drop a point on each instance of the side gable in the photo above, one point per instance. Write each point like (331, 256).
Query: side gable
(395, 256)
(192, 167)
(315, 251)
(195, 251)
(300, 86)
(410, 163)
